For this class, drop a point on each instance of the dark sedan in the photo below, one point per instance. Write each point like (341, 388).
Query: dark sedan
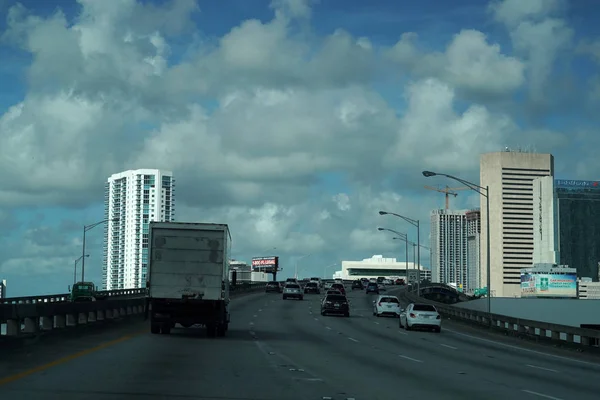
(312, 287)
(357, 285)
(273, 287)
(335, 304)
(372, 287)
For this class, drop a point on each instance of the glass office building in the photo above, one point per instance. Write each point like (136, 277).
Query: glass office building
(578, 220)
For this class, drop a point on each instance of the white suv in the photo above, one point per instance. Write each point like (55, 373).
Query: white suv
(387, 305)
(293, 290)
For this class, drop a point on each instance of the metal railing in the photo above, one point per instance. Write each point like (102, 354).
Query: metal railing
(581, 337)
(64, 297)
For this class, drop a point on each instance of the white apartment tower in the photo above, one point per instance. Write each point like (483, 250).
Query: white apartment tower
(449, 247)
(545, 222)
(509, 176)
(474, 250)
(133, 198)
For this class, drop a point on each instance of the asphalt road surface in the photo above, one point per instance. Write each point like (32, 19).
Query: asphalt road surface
(280, 350)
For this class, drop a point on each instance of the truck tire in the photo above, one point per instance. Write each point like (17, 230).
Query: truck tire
(154, 329)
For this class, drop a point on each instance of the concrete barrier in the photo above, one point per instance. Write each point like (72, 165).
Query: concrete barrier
(30, 318)
(581, 337)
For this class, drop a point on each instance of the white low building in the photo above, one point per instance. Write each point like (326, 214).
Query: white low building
(379, 266)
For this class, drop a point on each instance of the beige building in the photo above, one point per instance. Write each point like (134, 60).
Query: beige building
(509, 175)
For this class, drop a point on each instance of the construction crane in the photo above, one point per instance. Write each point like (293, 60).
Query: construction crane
(447, 191)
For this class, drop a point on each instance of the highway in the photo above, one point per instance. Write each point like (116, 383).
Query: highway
(279, 350)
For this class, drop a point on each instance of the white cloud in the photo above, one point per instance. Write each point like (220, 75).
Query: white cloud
(294, 138)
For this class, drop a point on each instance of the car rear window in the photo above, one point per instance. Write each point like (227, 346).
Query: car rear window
(336, 297)
(311, 284)
(293, 286)
(390, 300)
(424, 307)
(337, 285)
(372, 284)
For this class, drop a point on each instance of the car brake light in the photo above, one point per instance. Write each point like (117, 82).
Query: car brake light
(412, 315)
(438, 317)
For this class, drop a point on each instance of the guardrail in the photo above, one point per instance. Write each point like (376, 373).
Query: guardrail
(571, 335)
(64, 297)
(32, 315)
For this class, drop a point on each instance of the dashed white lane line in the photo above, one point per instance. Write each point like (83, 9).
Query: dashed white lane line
(448, 346)
(376, 323)
(328, 328)
(402, 333)
(409, 358)
(251, 323)
(542, 368)
(354, 340)
(254, 316)
(316, 319)
(545, 396)
(260, 310)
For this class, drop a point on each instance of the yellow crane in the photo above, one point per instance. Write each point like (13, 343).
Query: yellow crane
(447, 191)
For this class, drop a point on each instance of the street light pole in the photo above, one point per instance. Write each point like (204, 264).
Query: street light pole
(296, 268)
(85, 229)
(325, 270)
(416, 223)
(75, 268)
(401, 236)
(485, 192)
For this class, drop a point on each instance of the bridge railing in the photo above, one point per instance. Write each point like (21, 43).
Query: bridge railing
(34, 314)
(64, 297)
(581, 337)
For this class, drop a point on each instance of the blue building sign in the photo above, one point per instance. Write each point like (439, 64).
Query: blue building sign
(572, 184)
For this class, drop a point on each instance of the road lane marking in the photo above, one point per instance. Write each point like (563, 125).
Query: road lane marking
(260, 310)
(376, 323)
(541, 395)
(448, 346)
(354, 340)
(64, 360)
(510, 346)
(254, 316)
(327, 327)
(251, 323)
(542, 368)
(409, 358)
(402, 333)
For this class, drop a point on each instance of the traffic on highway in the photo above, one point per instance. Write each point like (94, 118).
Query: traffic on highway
(314, 346)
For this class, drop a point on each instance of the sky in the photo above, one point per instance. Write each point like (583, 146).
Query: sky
(293, 121)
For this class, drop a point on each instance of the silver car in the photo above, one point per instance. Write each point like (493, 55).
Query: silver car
(293, 290)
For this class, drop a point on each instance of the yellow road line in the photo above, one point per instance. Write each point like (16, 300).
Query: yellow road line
(23, 374)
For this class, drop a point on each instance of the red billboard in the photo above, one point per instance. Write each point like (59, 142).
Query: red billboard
(265, 264)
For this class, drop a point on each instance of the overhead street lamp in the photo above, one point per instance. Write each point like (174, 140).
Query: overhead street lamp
(325, 270)
(485, 192)
(75, 268)
(416, 223)
(298, 259)
(85, 229)
(403, 237)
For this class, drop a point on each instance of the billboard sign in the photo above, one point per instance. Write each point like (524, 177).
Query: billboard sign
(548, 285)
(265, 264)
(568, 183)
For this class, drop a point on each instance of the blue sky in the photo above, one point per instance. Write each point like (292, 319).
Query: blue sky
(382, 22)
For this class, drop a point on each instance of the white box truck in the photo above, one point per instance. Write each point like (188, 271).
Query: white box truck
(188, 276)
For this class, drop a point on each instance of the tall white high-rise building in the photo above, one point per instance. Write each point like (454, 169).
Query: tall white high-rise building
(545, 222)
(474, 250)
(449, 247)
(133, 198)
(509, 176)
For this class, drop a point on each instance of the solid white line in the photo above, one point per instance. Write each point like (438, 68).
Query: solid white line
(541, 395)
(411, 359)
(354, 340)
(543, 368)
(448, 346)
(523, 349)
